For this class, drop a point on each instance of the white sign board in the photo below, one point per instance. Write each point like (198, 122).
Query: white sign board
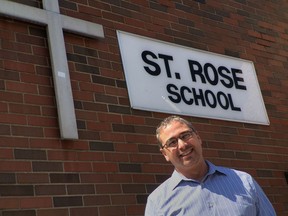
(169, 78)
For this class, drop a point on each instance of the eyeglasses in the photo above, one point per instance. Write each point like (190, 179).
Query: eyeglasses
(173, 142)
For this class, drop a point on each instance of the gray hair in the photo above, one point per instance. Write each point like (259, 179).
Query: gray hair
(167, 121)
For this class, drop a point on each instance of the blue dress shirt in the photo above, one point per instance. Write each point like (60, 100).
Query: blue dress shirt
(222, 192)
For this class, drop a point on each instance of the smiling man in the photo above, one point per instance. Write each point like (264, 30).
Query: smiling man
(198, 187)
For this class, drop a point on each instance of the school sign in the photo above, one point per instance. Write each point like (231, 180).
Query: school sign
(169, 78)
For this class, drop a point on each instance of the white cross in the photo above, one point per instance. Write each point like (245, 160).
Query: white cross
(55, 23)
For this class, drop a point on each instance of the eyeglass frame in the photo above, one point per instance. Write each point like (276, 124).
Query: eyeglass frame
(167, 145)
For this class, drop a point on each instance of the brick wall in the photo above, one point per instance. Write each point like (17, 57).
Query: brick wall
(115, 163)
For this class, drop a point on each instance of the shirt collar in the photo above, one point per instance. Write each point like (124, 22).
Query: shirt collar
(177, 177)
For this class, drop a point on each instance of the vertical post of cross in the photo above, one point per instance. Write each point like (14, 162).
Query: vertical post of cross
(61, 76)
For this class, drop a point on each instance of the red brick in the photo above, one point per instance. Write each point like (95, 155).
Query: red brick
(54, 212)
(77, 167)
(45, 143)
(84, 96)
(116, 91)
(81, 189)
(11, 97)
(6, 153)
(84, 115)
(36, 202)
(6, 35)
(52, 133)
(123, 157)
(36, 79)
(136, 138)
(42, 121)
(24, 109)
(112, 73)
(97, 200)
(14, 142)
(108, 188)
(39, 100)
(27, 131)
(123, 199)
(109, 117)
(8, 55)
(30, 178)
(3, 107)
(15, 166)
(9, 203)
(62, 155)
(120, 178)
(86, 86)
(125, 147)
(115, 137)
(93, 178)
(32, 59)
(135, 209)
(105, 167)
(12, 119)
(41, 51)
(19, 66)
(98, 126)
(155, 168)
(140, 158)
(140, 178)
(93, 211)
(112, 210)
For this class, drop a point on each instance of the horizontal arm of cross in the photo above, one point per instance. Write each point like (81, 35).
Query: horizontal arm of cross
(39, 16)
(82, 27)
(12, 9)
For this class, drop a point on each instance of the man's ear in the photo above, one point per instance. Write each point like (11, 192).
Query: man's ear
(163, 151)
(198, 137)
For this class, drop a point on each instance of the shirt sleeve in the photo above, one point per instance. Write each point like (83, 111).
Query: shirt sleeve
(264, 206)
(150, 208)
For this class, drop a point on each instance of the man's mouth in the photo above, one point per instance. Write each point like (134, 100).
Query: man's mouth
(188, 152)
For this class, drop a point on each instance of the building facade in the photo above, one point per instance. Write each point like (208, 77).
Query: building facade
(114, 162)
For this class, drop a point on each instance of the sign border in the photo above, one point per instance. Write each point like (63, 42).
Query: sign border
(124, 63)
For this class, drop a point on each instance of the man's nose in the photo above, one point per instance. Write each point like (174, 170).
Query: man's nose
(181, 144)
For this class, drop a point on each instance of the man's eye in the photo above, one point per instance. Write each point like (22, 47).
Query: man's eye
(185, 136)
(172, 142)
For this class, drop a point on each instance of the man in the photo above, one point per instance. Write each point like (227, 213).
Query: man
(198, 187)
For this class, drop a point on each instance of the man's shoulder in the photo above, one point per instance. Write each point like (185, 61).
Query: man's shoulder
(235, 173)
(161, 190)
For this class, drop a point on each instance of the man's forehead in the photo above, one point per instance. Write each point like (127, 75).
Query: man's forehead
(173, 124)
